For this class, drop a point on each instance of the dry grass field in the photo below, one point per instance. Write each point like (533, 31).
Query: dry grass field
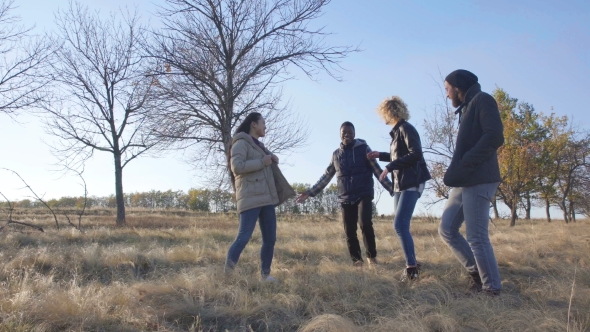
(165, 273)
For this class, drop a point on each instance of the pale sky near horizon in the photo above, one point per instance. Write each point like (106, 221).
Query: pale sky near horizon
(538, 51)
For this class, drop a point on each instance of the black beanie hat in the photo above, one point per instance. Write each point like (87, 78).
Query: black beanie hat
(462, 79)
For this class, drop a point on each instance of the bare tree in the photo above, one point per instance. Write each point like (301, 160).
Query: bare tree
(20, 58)
(101, 92)
(572, 164)
(217, 60)
(439, 143)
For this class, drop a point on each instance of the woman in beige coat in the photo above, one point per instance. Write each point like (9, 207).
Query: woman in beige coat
(259, 187)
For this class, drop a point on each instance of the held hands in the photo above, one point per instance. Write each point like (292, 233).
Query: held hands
(373, 154)
(301, 198)
(274, 158)
(267, 160)
(383, 174)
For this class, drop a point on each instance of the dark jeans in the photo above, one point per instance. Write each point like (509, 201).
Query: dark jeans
(268, 227)
(350, 218)
(405, 202)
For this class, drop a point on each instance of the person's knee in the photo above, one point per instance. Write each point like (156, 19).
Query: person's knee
(269, 242)
(241, 241)
(478, 241)
(400, 228)
(444, 231)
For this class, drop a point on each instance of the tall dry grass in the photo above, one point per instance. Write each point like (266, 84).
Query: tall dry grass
(165, 273)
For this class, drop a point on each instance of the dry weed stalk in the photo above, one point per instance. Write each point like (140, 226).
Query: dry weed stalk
(569, 308)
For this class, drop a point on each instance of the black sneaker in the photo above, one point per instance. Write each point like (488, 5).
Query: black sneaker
(411, 274)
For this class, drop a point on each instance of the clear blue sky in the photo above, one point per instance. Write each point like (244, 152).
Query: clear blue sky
(538, 51)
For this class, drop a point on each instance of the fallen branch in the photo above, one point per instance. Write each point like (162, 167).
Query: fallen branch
(8, 222)
(36, 196)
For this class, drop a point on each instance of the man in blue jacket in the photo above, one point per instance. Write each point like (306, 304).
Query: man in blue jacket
(474, 174)
(355, 172)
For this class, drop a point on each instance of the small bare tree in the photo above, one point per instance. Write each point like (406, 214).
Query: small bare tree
(572, 165)
(218, 60)
(20, 58)
(101, 92)
(439, 144)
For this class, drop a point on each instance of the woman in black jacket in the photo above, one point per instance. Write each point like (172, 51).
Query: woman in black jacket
(409, 173)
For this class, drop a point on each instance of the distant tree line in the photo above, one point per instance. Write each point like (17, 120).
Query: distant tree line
(206, 200)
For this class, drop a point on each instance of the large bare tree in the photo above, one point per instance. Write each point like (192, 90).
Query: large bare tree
(218, 60)
(101, 92)
(21, 55)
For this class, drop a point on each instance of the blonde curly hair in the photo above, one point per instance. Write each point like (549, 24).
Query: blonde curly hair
(393, 109)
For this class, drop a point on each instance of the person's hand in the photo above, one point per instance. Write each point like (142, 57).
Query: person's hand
(383, 174)
(373, 154)
(274, 158)
(301, 198)
(267, 160)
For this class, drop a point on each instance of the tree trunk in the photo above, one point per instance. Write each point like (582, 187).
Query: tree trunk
(528, 207)
(119, 190)
(495, 207)
(563, 207)
(547, 210)
(513, 214)
(572, 212)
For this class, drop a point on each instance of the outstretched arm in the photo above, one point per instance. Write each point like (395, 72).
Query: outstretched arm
(320, 185)
(377, 171)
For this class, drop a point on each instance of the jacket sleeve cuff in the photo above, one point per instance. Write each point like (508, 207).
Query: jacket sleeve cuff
(384, 156)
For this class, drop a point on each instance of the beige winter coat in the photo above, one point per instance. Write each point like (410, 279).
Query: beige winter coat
(256, 185)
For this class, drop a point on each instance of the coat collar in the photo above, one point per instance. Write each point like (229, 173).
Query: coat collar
(473, 90)
(250, 140)
(396, 127)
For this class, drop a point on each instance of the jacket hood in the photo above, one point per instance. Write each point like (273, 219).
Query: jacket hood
(250, 140)
(357, 142)
(240, 136)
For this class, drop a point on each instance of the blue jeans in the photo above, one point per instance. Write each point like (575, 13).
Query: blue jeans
(472, 206)
(268, 227)
(405, 202)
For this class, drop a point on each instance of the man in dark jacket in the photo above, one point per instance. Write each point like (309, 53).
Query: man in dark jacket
(355, 191)
(474, 175)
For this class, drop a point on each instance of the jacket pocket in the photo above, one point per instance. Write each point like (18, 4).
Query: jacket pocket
(256, 185)
(457, 175)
